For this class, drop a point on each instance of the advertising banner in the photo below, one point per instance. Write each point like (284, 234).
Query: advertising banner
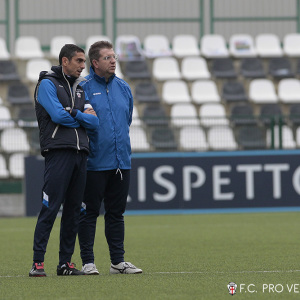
(244, 179)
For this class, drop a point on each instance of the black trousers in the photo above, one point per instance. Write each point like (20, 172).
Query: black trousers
(64, 183)
(112, 188)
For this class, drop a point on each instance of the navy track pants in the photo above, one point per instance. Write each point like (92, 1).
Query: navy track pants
(64, 183)
(112, 188)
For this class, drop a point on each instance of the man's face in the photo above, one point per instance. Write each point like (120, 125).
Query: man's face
(105, 67)
(74, 66)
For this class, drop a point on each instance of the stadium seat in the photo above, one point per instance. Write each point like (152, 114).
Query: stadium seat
(175, 91)
(93, 39)
(269, 112)
(234, 91)
(27, 47)
(27, 117)
(291, 44)
(192, 138)
(262, 91)
(280, 67)
(185, 45)
(242, 114)
(251, 137)
(165, 68)
(18, 94)
(252, 68)
(213, 46)
(288, 141)
(242, 45)
(268, 45)
(57, 42)
(128, 48)
(14, 140)
(136, 121)
(157, 45)
(182, 114)
(6, 120)
(4, 53)
(204, 91)
(138, 139)
(298, 137)
(34, 66)
(3, 168)
(8, 71)
(118, 71)
(194, 68)
(223, 68)
(221, 138)
(212, 114)
(146, 92)
(163, 139)
(16, 165)
(137, 70)
(155, 114)
(294, 114)
(289, 90)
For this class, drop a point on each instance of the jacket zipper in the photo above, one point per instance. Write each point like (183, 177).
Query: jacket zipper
(73, 103)
(55, 130)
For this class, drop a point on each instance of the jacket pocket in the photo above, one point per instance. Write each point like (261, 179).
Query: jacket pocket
(55, 131)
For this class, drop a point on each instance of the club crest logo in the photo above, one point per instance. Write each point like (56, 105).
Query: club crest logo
(231, 288)
(78, 95)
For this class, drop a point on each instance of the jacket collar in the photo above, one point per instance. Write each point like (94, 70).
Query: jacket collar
(99, 78)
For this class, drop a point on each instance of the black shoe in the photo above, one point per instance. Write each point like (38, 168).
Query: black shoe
(37, 270)
(68, 269)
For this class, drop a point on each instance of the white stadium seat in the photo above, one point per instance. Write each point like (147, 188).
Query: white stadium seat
(57, 42)
(175, 91)
(193, 68)
(291, 44)
(268, 45)
(157, 45)
(185, 45)
(193, 138)
(213, 46)
(34, 66)
(165, 68)
(4, 54)
(205, 91)
(27, 47)
(242, 45)
(262, 91)
(182, 114)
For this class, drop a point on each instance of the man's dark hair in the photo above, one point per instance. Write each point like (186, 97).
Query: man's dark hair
(94, 51)
(68, 51)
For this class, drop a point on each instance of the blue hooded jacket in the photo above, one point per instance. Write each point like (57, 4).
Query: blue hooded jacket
(113, 103)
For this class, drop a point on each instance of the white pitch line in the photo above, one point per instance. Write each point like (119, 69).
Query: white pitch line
(216, 273)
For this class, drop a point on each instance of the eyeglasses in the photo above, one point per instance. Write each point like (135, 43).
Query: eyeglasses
(115, 57)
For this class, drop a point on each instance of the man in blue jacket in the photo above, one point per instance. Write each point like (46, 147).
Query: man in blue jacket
(109, 161)
(63, 114)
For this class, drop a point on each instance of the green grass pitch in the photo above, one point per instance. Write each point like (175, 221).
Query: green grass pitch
(182, 256)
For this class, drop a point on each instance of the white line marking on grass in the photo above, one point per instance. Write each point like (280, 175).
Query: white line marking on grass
(217, 272)
(233, 272)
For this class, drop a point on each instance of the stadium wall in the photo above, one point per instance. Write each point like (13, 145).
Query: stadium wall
(45, 19)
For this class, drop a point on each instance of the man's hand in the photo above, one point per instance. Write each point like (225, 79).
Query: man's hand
(90, 111)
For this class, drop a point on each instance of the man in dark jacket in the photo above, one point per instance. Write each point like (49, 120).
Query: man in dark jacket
(63, 114)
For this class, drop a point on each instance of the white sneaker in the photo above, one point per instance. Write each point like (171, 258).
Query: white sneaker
(124, 268)
(90, 269)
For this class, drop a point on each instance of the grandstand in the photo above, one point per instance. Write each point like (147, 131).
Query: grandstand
(199, 84)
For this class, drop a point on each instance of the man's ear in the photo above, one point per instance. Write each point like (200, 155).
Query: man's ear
(64, 61)
(95, 63)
